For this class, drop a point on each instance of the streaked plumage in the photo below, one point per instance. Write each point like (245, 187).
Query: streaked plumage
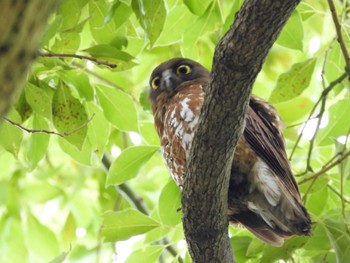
(263, 195)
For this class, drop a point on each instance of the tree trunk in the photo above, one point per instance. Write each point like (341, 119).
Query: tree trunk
(21, 26)
(238, 59)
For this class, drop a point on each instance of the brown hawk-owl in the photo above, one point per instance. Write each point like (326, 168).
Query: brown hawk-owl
(263, 195)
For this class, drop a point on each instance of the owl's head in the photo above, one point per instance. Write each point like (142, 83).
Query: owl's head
(174, 74)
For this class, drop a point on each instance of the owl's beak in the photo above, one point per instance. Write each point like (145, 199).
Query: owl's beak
(169, 80)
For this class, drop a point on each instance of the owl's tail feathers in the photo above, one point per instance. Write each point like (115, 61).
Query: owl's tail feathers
(272, 235)
(258, 227)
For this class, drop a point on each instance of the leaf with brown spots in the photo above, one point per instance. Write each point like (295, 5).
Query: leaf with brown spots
(69, 114)
(293, 82)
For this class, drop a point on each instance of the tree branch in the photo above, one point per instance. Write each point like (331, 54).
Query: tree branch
(99, 62)
(64, 134)
(21, 28)
(238, 59)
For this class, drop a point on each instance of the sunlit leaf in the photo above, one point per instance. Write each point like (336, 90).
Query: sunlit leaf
(99, 129)
(292, 34)
(69, 116)
(146, 254)
(292, 83)
(338, 115)
(338, 234)
(128, 163)
(79, 81)
(101, 31)
(118, 108)
(10, 135)
(41, 240)
(197, 7)
(38, 100)
(169, 203)
(12, 241)
(38, 141)
(148, 132)
(124, 224)
(151, 15)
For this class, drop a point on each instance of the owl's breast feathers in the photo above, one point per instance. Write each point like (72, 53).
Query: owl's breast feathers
(176, 119)
(263, 195)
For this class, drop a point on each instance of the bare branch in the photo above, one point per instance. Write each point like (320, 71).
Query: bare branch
(99, 62)
(340, 36)
(65, 134)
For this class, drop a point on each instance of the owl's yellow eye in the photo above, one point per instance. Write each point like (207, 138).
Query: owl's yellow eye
(183, 70)
(155, 83)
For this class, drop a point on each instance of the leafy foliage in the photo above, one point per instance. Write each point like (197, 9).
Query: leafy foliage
(57, 201)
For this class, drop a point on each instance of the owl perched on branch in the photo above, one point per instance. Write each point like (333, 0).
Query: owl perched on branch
(263, 195)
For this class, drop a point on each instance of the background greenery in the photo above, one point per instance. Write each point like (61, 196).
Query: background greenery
(59, 202)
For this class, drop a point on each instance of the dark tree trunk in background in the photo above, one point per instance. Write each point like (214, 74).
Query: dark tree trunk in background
(237, 61)
(21, 26)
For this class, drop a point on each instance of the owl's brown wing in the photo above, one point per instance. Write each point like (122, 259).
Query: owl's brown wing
(262, 132)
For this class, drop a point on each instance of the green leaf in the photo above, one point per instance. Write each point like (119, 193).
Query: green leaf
(69, 115)
(239, 246)
(292, 83)
(146, 254)
(40, 239)
(151, 15)
(120, 12)
(40, 192)
(10, 135)
(101, 28)
(292, 34)
(338, 234)
(38, 142)
(38, 100)
(128, 163)
(178, 18)
(204, 23)
(118, 108)
(99, 129)
(112, 54)
(67, 43)
(108, 52)
(273, 254)
(79, 81)
(338, 115)
(169, 203)
(148, 132)
(124, 224)
(301, 106)
(13, 247)
(197, 7)
(82, 155)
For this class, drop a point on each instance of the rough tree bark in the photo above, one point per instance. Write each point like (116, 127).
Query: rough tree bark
(21, 26)
(238, 59)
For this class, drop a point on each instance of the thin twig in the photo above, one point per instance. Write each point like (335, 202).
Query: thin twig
(65, 134)
(99, 62)
(325, 168)
(340, 36)
(323, 94)
(338, 194)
